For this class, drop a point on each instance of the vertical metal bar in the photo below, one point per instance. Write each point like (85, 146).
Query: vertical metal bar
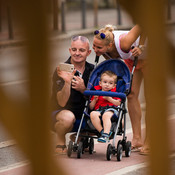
(83, 4)
(95, 13)
(169, 10)
(0, 15)
(55, 15)
(156, 88)
(118, 13)
(106, 3)
(26, 113)
(124, 117)
(63, 28)
(10, 28)
(78, 133)
(118, 124)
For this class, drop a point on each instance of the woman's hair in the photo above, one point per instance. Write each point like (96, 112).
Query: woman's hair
(110, 74)
(105, 33)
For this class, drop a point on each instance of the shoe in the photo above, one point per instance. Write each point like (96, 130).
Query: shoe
(104, 138)
(110, 133)
(101, 132)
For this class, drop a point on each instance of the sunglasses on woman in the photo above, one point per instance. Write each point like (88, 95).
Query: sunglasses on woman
(102, 35)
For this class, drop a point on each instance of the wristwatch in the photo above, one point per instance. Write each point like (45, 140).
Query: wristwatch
(141, 47)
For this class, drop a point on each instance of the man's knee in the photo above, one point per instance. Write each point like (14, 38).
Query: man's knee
(65, 118)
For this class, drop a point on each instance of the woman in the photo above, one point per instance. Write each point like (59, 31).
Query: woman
(115, 45)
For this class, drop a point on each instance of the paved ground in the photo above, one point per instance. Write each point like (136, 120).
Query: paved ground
(97, 164)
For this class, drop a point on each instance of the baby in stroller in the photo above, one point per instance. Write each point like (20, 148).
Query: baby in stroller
(116, 115)
(105, 107)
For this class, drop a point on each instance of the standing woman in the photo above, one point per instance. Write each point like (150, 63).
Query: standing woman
(115, 45)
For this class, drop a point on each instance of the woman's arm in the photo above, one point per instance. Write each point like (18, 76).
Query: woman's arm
(127, 40)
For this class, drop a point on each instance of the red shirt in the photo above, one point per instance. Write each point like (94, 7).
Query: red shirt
(103, 102)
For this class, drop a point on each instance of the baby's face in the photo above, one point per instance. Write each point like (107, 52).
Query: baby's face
(107, 83)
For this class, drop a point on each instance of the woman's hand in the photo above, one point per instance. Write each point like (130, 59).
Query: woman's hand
(136, 51)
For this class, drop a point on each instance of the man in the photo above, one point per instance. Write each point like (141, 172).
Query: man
(67, 91)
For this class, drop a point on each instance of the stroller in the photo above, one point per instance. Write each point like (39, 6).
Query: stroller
(88, 134)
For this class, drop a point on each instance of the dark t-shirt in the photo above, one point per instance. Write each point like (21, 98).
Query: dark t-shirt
(76, 102)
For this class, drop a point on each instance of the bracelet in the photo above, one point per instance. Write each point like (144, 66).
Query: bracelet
(141, 47)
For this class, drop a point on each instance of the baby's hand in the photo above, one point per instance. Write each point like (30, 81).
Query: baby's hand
(95, 98)
(107, 98)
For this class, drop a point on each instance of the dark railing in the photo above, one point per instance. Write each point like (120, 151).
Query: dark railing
(59, 15)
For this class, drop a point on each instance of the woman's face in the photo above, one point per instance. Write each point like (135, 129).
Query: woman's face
(99, 46)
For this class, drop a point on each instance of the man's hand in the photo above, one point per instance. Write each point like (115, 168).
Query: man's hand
(66, 76)
(78, 84)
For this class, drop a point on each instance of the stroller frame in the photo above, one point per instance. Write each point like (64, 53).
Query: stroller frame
(87, 140)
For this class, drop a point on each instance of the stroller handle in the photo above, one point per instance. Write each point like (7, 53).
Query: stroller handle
(135, 61)
(104, 93)
(97, 58)
(133, 69)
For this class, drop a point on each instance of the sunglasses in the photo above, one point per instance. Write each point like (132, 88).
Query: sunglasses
(102, 35)
(82, 38)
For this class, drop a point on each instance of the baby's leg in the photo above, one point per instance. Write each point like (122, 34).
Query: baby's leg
(95, 119)
(106, 118)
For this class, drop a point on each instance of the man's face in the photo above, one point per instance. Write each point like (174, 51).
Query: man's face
(79, 51)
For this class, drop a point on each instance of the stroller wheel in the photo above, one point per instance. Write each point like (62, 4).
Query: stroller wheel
(128, 149)
(109, 152)
(91, 146)
(119, 142)
(119, 152)
(80, 149)
(70, 148)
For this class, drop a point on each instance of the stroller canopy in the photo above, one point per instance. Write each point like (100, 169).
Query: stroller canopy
(116, 66)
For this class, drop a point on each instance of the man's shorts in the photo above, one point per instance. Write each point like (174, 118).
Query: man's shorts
(76, 124)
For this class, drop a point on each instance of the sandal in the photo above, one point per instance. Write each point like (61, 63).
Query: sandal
(144, 151)
(135, 148)
(61, 149)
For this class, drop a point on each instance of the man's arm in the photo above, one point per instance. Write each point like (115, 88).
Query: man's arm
(64, 94)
